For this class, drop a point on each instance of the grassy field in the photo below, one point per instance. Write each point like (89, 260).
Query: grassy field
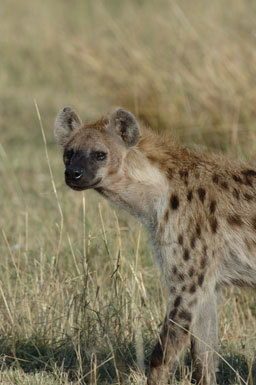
(80, 297)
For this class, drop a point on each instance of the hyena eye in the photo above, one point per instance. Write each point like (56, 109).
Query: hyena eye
(99, 155)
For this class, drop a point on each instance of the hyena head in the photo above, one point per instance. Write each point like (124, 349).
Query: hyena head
(94, 152)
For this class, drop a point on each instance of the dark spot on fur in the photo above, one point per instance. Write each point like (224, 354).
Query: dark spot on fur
(185, 315)
(236, 193)
(186, 327)
(190, 196)
(213, 224)
(200, 279)
(248, 175)
(234, 219)
(70, 121)
(184, 176)
(174, 270)
(215, 179)
(183, 173)
(193, 242)
(183, 288)
(173, 313)
(180, 239)
(153, 159)
(254, 222)
(170, 173)
(198, 230)
(186, 255)
(212, 207)
(177, 301)
(181, 277)
(203, 262)
(174, 202)
(224, 185)
(193, 302)
(166, 215)
(248, 197)
(192, 288)
(201, 194)
(172, 290)
(191, 272)
(237, 179)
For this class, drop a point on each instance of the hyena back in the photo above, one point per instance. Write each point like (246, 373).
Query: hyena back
(199, 209)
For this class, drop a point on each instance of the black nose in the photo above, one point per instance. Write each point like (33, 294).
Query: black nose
(73, 173)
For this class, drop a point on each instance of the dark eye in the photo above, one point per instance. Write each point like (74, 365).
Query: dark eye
(99, 155)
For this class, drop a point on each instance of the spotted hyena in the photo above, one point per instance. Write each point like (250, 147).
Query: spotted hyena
(199, 209)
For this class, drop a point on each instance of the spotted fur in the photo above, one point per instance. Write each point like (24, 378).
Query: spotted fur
(199, 209)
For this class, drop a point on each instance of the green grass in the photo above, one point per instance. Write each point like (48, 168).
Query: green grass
(80, 294)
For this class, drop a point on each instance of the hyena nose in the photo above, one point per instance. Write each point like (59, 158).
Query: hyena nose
(74, 173)
(78, 173)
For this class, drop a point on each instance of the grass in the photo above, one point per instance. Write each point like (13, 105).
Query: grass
(80, 297)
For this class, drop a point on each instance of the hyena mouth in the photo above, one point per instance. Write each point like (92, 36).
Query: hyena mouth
(84, 187)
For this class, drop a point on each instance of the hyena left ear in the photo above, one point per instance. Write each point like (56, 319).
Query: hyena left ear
(125, 125)
(67, 122)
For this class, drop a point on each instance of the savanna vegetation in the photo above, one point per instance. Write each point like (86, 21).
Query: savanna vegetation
(80, 294)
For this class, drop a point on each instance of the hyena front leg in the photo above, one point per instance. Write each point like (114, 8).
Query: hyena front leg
(173, 338)
(205, 327)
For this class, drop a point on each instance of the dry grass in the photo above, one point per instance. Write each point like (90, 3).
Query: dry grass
(78, 295)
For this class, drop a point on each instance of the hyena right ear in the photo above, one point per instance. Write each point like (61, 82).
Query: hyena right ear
(124, 124)
(67, 122)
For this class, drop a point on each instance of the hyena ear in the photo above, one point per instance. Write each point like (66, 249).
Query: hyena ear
(67, 122)
(125, 125)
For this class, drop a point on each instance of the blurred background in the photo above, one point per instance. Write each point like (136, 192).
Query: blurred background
(78, 293)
